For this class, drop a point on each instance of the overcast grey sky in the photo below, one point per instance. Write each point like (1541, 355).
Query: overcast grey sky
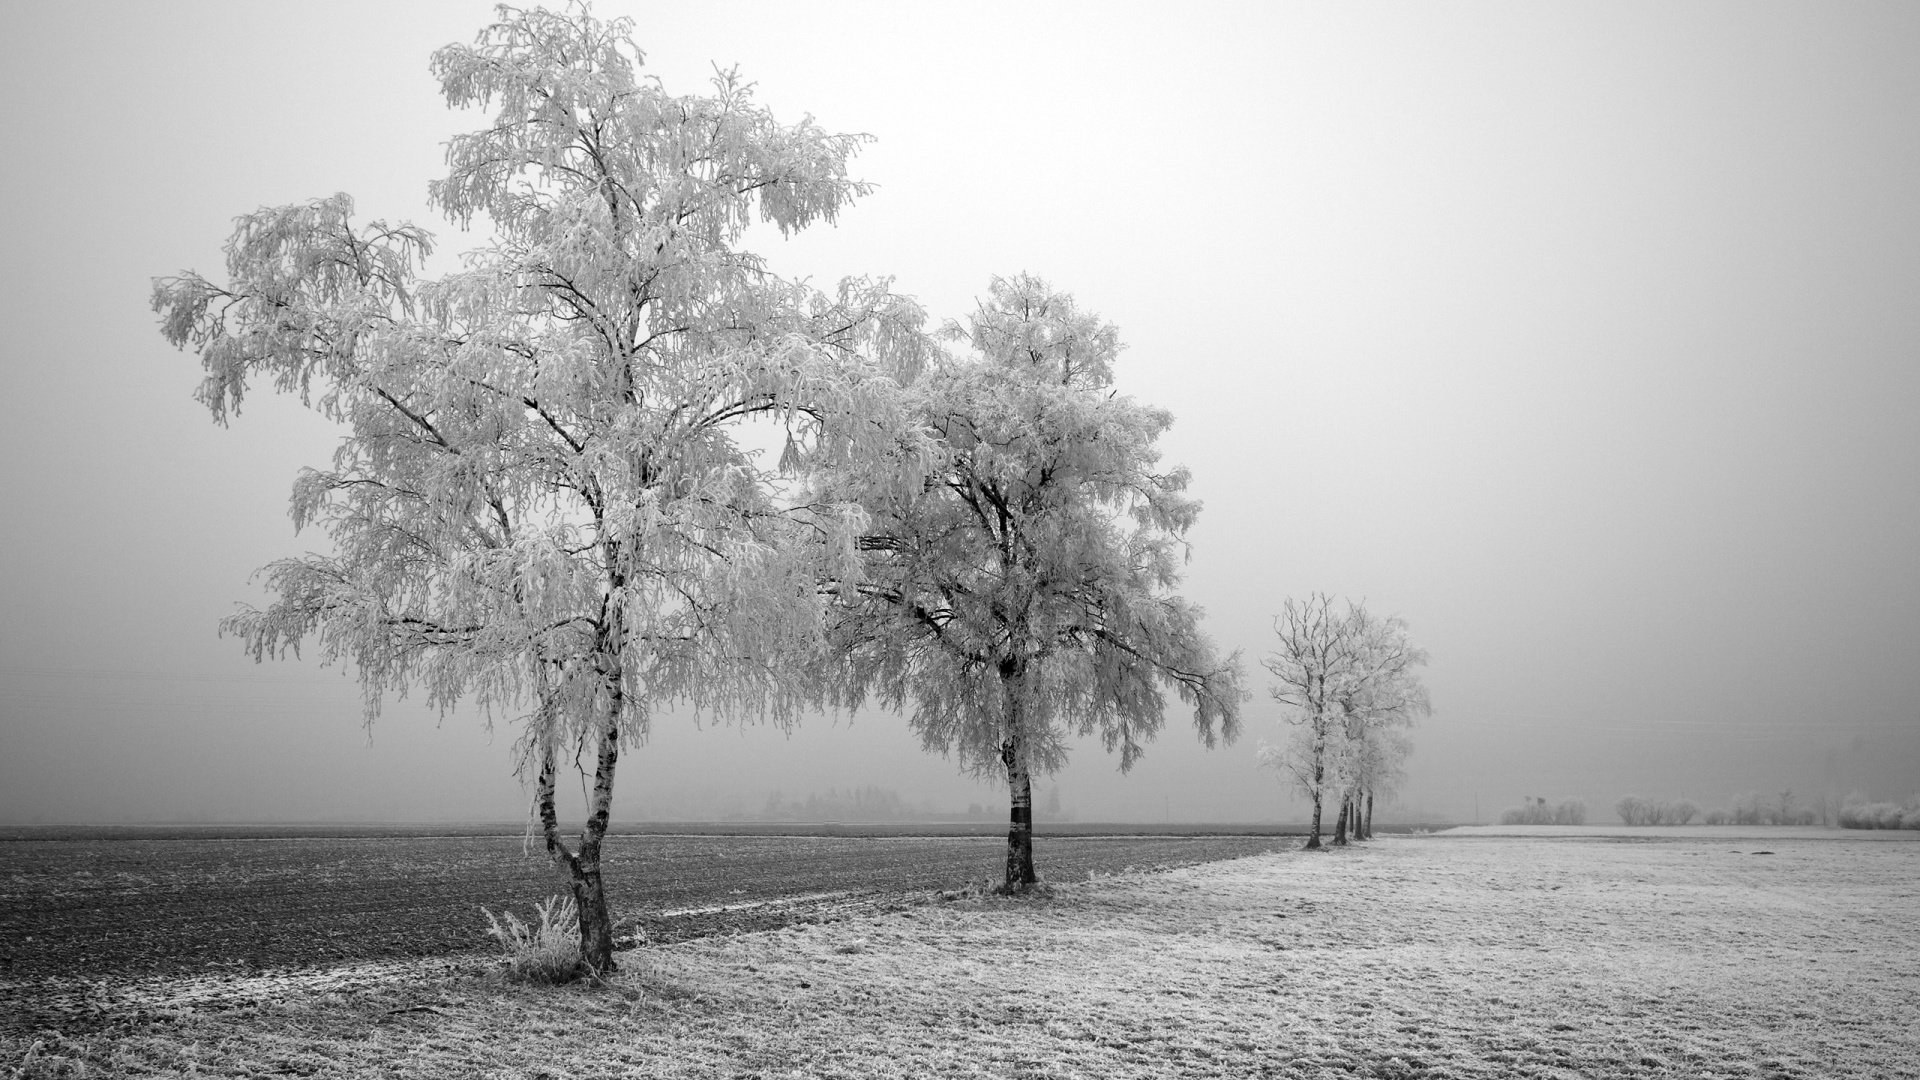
(1583, 336)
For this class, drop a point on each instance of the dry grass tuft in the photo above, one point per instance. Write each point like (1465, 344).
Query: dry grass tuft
(49, 1062)
(548, 953)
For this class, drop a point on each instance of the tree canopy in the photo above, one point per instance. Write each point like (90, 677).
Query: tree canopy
(1023, 594)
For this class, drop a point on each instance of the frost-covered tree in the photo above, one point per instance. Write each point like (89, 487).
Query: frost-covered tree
(1345, 680)
(1313, 660)
(544, 502)
(1378, 769)
(1386, 697)
(1024, 594)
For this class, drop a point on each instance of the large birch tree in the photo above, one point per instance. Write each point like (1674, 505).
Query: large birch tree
(1024, 594)
(544, 502)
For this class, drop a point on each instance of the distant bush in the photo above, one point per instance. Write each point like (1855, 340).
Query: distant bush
(1881, 815)
(547, 953)
(1537, 812)
(1635, 810)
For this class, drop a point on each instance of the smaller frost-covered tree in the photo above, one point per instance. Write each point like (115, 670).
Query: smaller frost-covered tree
(1346, 680)
(1377, 767)
(545, 496)
(1024, 594)
(1386, 698)
(1314, 658)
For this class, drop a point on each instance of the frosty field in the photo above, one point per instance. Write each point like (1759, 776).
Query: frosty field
(1733, 955)
(91, 919)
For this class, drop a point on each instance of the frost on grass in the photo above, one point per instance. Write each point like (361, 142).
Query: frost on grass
(1466, 957)
(545, 953)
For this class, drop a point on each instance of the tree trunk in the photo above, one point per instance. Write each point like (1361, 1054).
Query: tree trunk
(1369, 813)
(1020, 873)
(1013, 754)
(583, 866)
(589, 896)
(1340, 826)
(1319, 778)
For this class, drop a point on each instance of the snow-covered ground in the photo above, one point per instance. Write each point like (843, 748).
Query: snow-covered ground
(1438, 956)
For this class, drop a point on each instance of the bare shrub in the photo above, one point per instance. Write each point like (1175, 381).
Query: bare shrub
(547, 953)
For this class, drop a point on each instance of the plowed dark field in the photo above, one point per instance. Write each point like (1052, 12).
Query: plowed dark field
(120, 907)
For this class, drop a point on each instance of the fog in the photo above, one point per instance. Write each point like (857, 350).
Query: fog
(1581, 336)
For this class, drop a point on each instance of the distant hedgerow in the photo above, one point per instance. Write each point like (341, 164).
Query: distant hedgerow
(547, 953)
(1635, 810)
(1781, 809)
(1537, 812)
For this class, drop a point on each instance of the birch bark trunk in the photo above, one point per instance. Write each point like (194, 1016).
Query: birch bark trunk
(1020, 873)
(1013, 755)
(583, 866)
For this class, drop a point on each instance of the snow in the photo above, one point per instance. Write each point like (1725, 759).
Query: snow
(1456, 956)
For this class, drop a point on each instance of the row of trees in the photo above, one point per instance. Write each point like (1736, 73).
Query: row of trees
(548, 502)
(1348, 685)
